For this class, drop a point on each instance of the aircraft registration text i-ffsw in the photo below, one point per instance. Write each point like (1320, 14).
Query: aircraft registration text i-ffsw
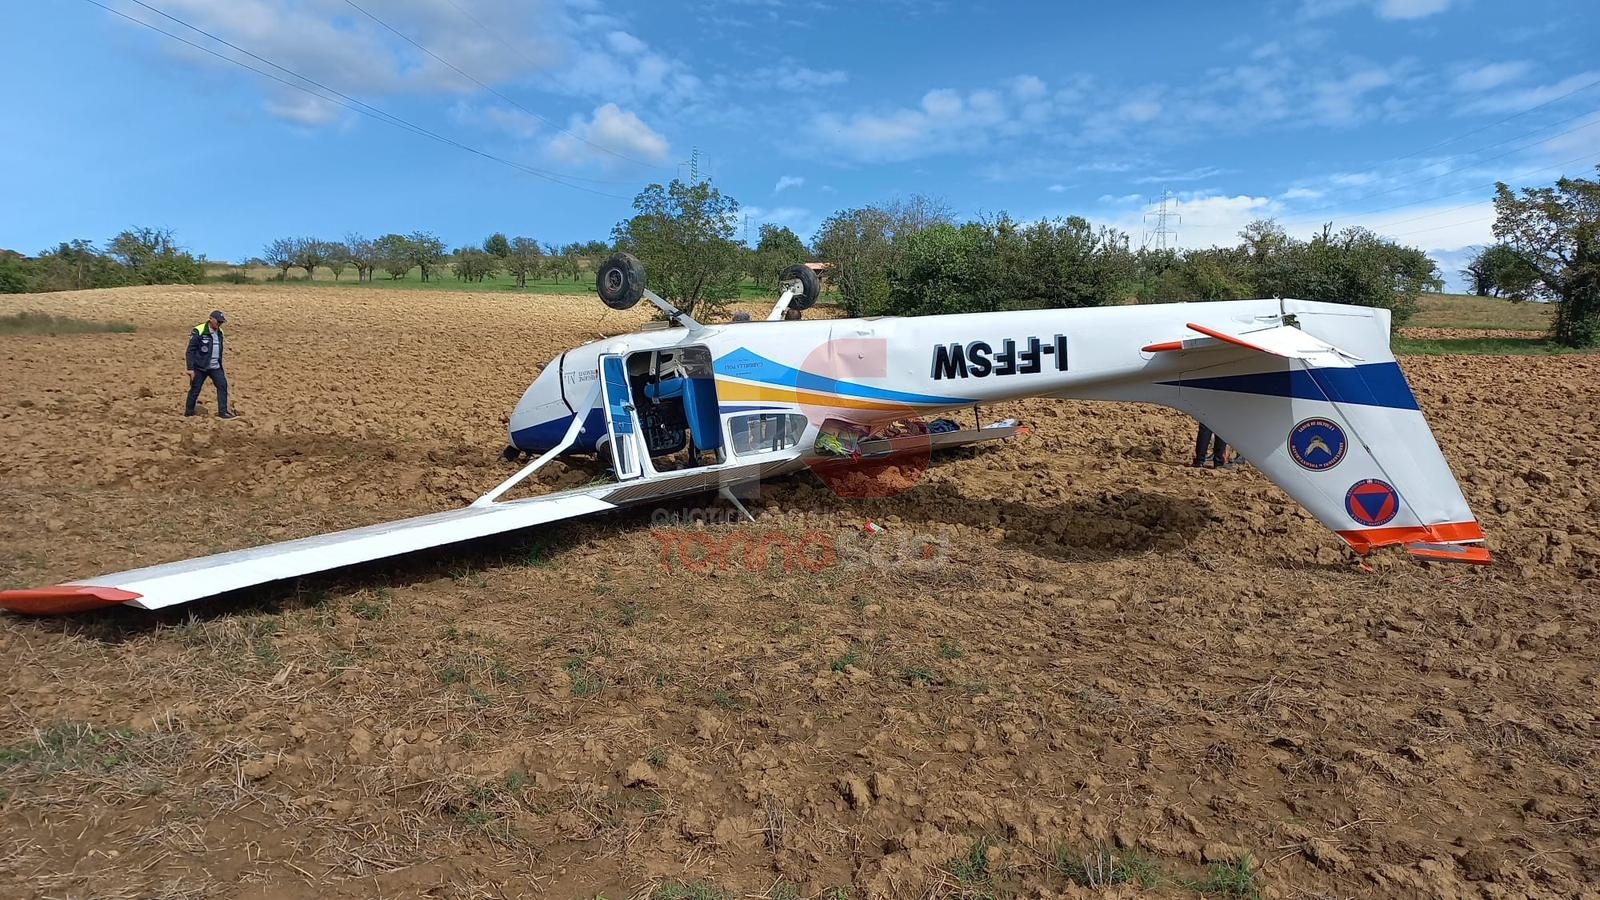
(1307, 392)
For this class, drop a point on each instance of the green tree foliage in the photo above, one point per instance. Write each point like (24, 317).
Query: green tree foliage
(141, 256)
(594, 249)
(564, 260)
(862, 245)
(1063, 263)
(474, 264)
(363, 252)
(309, 252)
(524, 258)
(683, 233)
(1352, 266)
(153, 257)
(497, 246)
(1556, 233)
(858, 246)
(76, 265)
(777, 249)
(16, 273)
(280, 255)
(427, 252)
(395, 255)
(1498, 270)
(338, 258)
(946, 269)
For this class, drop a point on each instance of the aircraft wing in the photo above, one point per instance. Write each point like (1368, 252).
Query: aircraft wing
(169, 584)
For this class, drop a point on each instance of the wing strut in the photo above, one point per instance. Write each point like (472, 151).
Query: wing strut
(567, 440)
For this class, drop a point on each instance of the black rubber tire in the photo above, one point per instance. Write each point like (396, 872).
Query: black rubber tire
(509, 454)
(810, 286)
(620, 281)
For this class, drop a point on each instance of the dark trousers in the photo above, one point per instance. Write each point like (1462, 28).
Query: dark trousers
(1219, 448)
(199, 382)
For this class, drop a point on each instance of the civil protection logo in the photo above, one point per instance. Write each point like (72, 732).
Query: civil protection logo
(1317, 444)
(1372, 502)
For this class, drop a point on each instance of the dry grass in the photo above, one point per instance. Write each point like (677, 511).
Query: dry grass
(1465, 311)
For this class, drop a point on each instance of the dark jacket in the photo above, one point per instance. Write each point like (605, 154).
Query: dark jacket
(198, 356)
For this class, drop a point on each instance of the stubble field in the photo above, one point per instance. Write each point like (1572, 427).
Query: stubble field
(1115, 674)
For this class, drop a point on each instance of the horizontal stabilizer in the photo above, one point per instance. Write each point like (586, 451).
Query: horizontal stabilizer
(1464, 553)
(1282, 340)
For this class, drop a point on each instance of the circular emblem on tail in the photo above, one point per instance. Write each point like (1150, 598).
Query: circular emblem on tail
(1371, 502)
(1317, 444)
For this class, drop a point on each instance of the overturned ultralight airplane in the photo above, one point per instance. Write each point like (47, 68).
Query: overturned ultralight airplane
(1307, 392)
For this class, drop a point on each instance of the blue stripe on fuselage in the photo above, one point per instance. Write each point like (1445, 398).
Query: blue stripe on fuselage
(545, 435)
(742, 363)
(1373, 384)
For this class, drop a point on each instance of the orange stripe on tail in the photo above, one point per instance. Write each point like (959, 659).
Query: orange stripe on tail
(1441, 541)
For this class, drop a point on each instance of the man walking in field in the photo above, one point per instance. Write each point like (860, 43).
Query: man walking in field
(204, 359)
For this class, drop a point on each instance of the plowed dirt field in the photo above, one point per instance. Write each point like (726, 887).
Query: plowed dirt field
(1068, 665)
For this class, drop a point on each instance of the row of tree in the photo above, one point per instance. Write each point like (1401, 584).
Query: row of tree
(139, 255)
(398, 254)
(911, 257)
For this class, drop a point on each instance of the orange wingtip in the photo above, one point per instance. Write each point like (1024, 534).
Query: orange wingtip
(1163, 347)
(63, 598)
(1463, 553)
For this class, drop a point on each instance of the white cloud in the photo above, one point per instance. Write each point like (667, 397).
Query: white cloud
(1028, 87)
(943, 119)
(497, 117)
(1299, 193)
(1411, 9)
(789, 75)
(1141, 110)
(1199, 173)
(1202, 220)
(496, 42)
(1491, 76)
(1056, 188)
(1516, 101)
(625, 70)
(329, 42)
(614, 129)
(1343, 100)
(1385, 9)
(795, 218)
(788, 181)
(303, 109)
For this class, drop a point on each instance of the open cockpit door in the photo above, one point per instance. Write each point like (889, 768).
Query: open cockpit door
(617, 400)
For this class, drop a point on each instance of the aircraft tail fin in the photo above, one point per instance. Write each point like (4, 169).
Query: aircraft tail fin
(1342, 434)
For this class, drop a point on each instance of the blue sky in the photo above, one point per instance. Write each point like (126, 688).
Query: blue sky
(1394, 114)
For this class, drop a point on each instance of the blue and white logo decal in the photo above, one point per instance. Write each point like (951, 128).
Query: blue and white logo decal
(1317, 444)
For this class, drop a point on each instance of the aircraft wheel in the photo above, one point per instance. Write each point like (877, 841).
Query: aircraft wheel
(810, 286)
(620, 281)
(509, 454)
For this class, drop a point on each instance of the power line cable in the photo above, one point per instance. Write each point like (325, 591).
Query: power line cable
(457, 69)
(1448, 141)
(1460, 207)
(1313, 218)
(340, 99)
